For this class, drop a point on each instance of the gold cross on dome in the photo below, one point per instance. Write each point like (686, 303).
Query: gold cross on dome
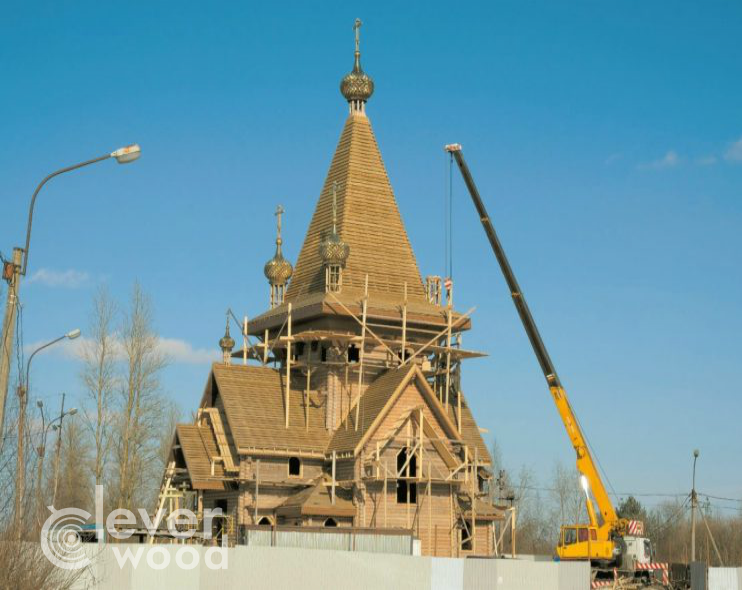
(279, 212)
(357, 29)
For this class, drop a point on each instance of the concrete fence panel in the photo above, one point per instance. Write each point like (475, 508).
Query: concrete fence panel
(723, 578)
(446, 573)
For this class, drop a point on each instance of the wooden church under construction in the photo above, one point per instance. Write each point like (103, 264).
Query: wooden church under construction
(343, 407)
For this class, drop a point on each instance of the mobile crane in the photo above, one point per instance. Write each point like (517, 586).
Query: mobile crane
(614, 542)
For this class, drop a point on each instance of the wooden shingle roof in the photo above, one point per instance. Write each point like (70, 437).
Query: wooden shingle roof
(373, 402)
(368, 220)
(253, 400)
(317, 501)
(199, 448)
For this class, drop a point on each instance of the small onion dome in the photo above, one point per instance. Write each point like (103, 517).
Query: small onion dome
(226, 343)
(357, 85)
(333, 250)
(278, 270)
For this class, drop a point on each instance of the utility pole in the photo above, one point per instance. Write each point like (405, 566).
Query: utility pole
(20, 470)
(59, 448)
(693, 505)
(11, 274)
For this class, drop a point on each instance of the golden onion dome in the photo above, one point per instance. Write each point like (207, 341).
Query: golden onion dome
(358, 85)
(226, 342)
(332, 249)
(278, 270)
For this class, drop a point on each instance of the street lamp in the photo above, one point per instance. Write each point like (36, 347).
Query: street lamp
(693, 503)
(20, 482)
(42, 447)
(14, 269)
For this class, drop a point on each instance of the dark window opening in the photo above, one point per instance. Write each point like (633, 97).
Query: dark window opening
(331, 522)
(404, 354)
(297, 351)
(294, 466)
(466, 544)
(265, 521)
(406, 490)
(219, 524)
(354, 354)
(324, 354)
(315, 344)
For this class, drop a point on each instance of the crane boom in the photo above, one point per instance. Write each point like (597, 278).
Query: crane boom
(585, 463)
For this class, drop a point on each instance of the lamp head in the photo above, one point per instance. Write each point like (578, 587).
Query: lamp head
(696, 453)
(39, 403)
(72, 412)
(127, 153)
(73, 334)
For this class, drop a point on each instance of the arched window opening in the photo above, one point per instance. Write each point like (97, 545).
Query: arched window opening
(265, 521)
(294, 466)
(330, 522)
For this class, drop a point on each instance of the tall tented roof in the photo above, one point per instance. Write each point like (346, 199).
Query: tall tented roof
(368, 221)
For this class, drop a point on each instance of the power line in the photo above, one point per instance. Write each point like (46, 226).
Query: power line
(720, 497)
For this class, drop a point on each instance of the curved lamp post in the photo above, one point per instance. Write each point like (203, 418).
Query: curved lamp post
(20, 480)
(42, 448)
(14, 269)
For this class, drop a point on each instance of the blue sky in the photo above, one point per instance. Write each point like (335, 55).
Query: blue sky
(606, 139)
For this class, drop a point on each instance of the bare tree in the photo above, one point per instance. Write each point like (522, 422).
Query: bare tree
(139, 418)
(568, 497)
(99, 378)
(75, 489)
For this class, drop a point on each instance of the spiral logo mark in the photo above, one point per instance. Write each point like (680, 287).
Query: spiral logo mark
(60, 538)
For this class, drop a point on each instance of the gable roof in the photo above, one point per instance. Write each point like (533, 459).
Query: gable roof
(199, 448)
(368, 221)
(376, 402)
(253, 400)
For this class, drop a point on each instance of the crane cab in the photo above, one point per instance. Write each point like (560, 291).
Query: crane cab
(580, 542)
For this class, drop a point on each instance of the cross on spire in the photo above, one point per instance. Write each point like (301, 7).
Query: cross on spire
(279, 212)
(357, 29)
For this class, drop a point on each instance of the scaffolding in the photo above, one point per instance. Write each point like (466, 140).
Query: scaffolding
(381, 342)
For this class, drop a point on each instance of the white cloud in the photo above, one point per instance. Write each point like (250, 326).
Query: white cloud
(706, 160)
(180, 351)
(669, 160)
(70, 279)
(177, 351)
(734, 152)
